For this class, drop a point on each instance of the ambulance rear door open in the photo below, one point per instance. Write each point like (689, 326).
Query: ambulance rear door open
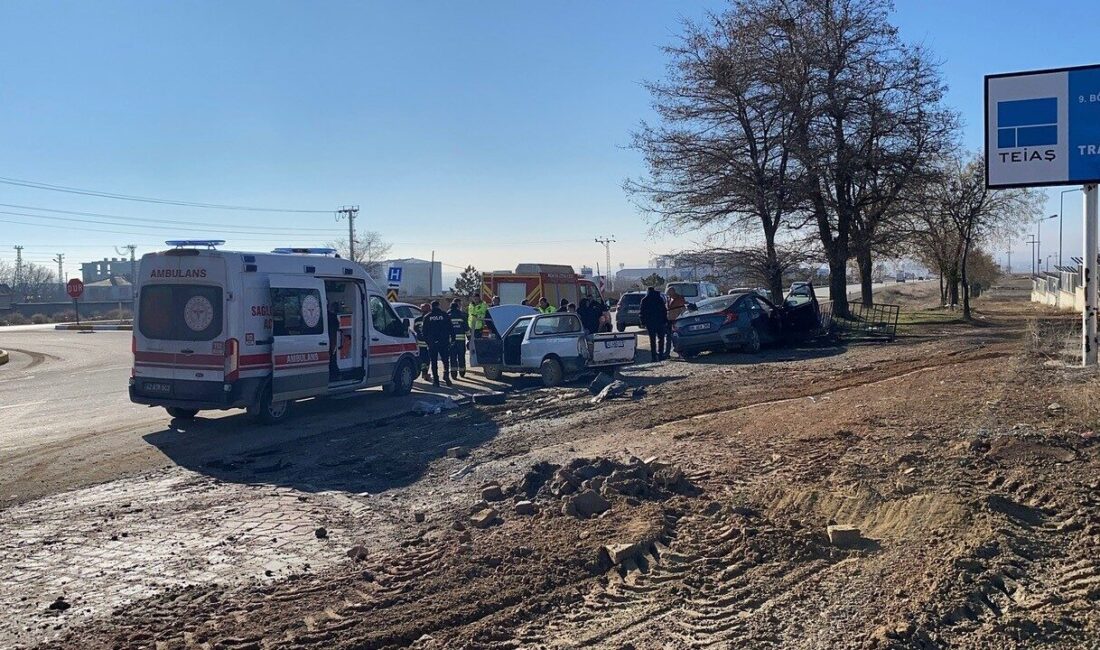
(300, 347)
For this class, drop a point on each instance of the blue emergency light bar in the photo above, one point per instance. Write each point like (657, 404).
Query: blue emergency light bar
(209, 243)
(305, 251)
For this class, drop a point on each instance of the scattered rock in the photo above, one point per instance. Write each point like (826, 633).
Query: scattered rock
(526, 508)
(484, 518)
(458, 525)
(490, 399)
(616, 553)
(589, 503)
(419, 517)
(1055, 408)
(458, 452)
(843, 535)
(321, 533)
(59, 605)
(357, 553)
(492, 493)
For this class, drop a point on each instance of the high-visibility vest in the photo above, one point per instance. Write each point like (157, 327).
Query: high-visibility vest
(548, 309)
(477, 316)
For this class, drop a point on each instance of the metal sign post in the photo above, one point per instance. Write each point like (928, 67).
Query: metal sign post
(75, 288)
(1088, 317)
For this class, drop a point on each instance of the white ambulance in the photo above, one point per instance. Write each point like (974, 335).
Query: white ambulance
(217, 329)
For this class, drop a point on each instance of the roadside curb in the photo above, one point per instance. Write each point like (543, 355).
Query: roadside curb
(93, 328)
(3, 357)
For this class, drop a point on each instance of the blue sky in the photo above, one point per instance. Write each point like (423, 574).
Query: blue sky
(489, 132)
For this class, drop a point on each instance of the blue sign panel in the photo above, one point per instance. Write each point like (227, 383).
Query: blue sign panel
(1043, 127)
(394, 274)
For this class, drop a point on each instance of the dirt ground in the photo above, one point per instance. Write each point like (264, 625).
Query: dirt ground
(691, 512)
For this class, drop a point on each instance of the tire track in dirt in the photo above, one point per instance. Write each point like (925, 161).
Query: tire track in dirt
(843, 386)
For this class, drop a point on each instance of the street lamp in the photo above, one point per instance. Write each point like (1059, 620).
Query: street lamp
(1038, 240)
(1061, 207)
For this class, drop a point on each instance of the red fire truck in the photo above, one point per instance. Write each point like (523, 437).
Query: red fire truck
(533, 281)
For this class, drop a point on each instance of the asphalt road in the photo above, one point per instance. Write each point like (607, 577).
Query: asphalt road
(66, 420)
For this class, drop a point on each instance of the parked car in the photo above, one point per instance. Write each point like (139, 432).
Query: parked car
(746, 321)
(694, 291)
(760, 291)
(628, 311)
(406, 310)
(555, 346)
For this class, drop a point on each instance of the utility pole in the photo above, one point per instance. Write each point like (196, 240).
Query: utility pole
(60, 259)
(607, 241)
(1009, 261)
(349, 211)
(1032, 241)
(18, 270)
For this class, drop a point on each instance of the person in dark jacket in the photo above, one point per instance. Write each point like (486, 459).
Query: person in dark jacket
(458, 346)
(421, 342)
(590, 316)
(563, 306)
(438, 334)
(333, 339)
(654, 319)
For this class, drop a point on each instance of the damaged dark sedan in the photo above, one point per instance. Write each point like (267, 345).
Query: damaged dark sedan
(746, 322)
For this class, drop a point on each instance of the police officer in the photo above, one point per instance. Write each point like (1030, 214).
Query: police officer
(459, 327)
(545, 306)
(421, 342)
(476, 317)
(439, 335)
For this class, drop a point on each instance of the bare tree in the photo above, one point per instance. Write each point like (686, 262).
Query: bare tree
(977, 214)
(370, 250)
(754, 265)
(34, 284)
(867, 111)
(721, 157)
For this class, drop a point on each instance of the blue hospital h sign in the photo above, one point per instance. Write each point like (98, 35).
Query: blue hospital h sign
(1043, 127)
(394, 274)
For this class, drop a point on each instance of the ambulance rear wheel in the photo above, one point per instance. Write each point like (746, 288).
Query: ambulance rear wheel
(493, 373)
(269, 412)
(403, 379)
(181, 414)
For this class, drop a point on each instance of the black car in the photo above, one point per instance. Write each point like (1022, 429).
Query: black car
(629, 310)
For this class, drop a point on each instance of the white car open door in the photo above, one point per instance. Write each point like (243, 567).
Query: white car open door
(300, 351)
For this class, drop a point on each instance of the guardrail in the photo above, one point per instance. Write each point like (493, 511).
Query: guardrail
(863, 322)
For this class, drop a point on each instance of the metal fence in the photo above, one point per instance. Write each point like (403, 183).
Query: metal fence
(864, 322)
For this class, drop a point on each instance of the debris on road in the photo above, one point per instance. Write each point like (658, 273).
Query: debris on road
(458, 452)
(615, 389)
(321, 533)
(843, 535)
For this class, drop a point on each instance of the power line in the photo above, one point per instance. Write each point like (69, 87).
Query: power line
(147, 199)
(168, 221)
(216, 228)
(275, 238)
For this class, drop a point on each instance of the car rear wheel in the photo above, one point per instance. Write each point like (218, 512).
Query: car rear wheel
(181, 414)
(492, 373)
(403, 379)
(688, 354)
(268, 412)
(752, 346)
(552, 372)
(620, 326)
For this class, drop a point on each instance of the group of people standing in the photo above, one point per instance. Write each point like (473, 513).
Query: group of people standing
(657, 315)
(441, 335)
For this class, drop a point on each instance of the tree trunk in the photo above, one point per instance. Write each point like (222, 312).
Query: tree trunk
(863, 258)
(953, 289)
(965, 283)
(836, 250)
(774, 274)
(943, 290)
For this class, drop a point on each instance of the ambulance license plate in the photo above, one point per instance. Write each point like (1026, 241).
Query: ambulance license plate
(614, 344)
(157, 387)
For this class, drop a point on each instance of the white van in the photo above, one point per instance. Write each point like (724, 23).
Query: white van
(219, 329)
